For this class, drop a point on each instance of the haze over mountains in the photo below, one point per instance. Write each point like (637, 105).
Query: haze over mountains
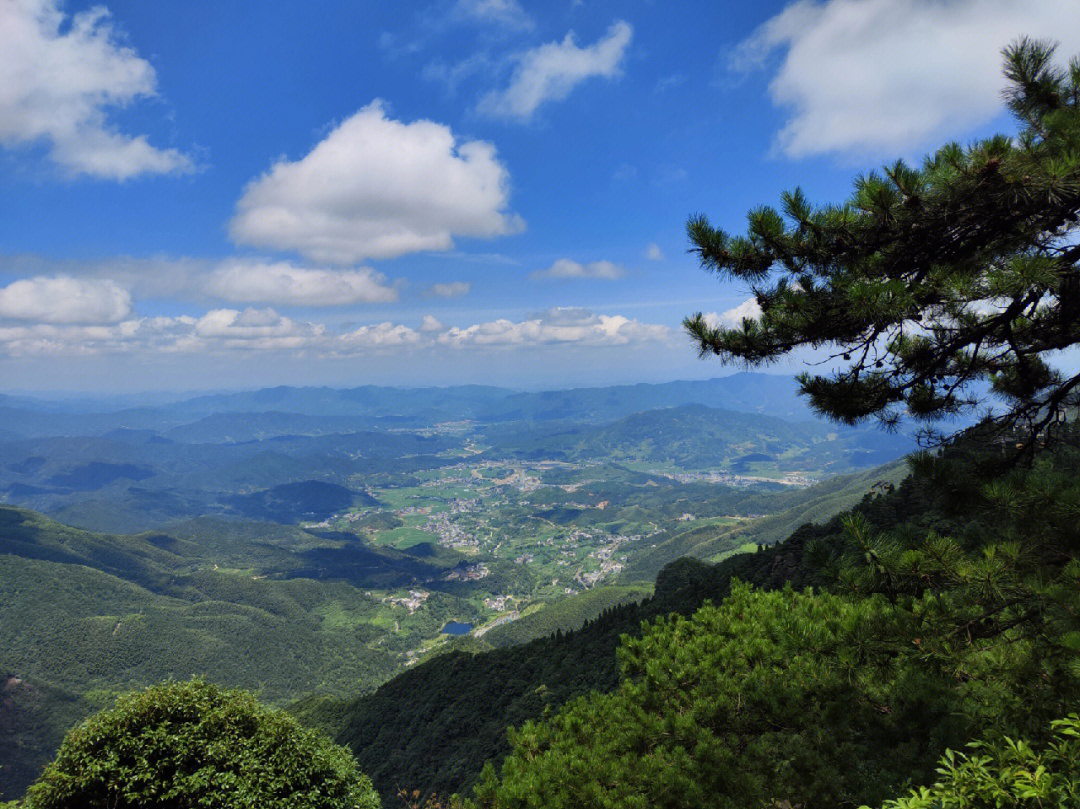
(139, 468)
(374, 405)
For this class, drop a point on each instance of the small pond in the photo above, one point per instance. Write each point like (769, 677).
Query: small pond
(457, 628)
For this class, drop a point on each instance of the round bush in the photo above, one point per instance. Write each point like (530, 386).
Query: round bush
(191, 744)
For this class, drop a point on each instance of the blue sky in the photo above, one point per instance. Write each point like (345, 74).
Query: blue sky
(225, 195)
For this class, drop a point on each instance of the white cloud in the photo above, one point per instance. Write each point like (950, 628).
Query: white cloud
(551, 71)
(236, 280)
(377, 336)
(654, 253)
(64, 300)
(564, 268)
(230, 329)
(248, 281)
(252, 329)
(59, 78)
(396, 46)
(556, 326)
(145, 334)
(431, 323)
(265, 331)
(453, 289)
(733, 318)
(880, 76)
(453, 74)
(217, 331)
(378, 188)
(153, 277)
(505, 13)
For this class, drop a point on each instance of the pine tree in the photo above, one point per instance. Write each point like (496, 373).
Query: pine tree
(928, 282)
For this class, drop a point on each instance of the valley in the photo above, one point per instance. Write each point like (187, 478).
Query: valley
(308, 561)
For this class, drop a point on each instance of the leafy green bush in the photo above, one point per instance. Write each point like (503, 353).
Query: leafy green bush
(1006, 774)
(191, 744)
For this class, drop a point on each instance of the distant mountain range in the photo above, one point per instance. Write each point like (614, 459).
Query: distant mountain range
(372, 406)
(139, 468)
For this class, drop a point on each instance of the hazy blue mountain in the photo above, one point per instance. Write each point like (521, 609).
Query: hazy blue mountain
(372, 406)
(763, 394)
(699, 437)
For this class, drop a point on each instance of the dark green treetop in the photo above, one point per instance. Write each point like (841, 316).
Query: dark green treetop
(191, 744)
(928, 281)
(797, 697)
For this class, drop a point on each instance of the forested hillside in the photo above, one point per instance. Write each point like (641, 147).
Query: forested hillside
(326, 562)
(432, 728)
(435, 726)
(349, 458)
(88, 616)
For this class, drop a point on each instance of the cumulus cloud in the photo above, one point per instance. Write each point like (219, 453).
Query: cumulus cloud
(248, 281)
(64, 300)
(551, 71)
(564, 269)
(219, 330)
(266, 331)
(378, 188)
(254, 328)
(59, 77)
(504, 13)
(733, 318)
(235, 280)
(101, 325)
(453, 289)
(887, 75)
(556, 326)
(143, 277)
(376, 336)
(431, 323)
(143, 334)
(654, 253)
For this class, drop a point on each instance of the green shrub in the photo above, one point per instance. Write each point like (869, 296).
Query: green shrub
(190, 744)
(1006, 774)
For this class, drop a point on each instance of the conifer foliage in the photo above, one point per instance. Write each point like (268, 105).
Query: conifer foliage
(997, 567)
(793, 696)
(931, 281)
